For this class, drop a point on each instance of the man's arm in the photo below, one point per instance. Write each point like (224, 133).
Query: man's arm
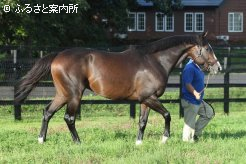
(191, 89)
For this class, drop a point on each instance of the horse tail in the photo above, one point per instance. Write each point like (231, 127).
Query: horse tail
(40, 69)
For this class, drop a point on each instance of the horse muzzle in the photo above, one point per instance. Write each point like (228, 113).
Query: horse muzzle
(215, 67)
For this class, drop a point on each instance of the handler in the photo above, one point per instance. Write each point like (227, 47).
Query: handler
(192, 102)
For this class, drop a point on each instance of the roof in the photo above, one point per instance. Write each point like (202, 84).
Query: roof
(201, 2)
(144, 3)
(197, 3)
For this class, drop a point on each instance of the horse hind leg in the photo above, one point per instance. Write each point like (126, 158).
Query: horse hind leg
(70, 117)
(143, 119)
(48, 112)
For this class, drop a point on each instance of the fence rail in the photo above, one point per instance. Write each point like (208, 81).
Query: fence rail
(14, 67)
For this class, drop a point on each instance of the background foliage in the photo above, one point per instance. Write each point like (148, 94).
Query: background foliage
(92, 23)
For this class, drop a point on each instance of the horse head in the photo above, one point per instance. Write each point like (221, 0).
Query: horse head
(203, 54)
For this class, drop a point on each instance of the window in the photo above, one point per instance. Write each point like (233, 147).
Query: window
(159, 21)
(164, 22)
(137, 21)
(235, 22)
(169, 23)
(194, 22)
(199, 23)
(132, 21)
(140, 21)
(188, 22)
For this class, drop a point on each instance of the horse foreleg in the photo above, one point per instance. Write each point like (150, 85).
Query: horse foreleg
(48, 112)
(143, 119)
(70, 116)
(156, 105)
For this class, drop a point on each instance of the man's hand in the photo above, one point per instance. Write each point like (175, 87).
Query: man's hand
(192, 90)
(197, 95)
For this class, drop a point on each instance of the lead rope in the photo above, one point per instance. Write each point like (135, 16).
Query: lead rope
(206, 81)
(206, 84)
(203, 102)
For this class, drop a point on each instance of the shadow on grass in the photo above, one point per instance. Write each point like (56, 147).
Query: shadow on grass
(226, 134)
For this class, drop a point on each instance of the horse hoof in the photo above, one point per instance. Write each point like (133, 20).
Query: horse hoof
(139, 142)
(40, 140)
(77, 142)
(164, 139)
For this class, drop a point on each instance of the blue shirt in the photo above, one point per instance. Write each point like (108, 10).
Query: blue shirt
(193, 75)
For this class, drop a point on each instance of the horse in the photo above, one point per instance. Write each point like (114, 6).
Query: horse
(139, 73)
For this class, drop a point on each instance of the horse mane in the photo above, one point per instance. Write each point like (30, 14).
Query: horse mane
(169, 42)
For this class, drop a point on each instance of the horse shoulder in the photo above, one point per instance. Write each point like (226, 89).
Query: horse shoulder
(150, 80)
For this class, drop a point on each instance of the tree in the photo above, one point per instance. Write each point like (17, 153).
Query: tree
(10, 28)
(24, 24)
(166, 6)
(21, 25)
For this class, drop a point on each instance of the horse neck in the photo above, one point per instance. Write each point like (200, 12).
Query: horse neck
(169, 57)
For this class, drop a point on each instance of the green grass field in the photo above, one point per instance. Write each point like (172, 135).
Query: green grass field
(108, 136)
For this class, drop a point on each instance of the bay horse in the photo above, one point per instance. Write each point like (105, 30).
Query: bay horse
(138, 73)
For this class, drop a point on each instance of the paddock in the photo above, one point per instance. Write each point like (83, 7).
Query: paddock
(107, 136)
(107, 133)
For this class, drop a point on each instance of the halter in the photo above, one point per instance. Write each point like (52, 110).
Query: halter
(206, 60)
(200, 55)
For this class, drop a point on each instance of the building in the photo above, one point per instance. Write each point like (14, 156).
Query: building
(223, 19)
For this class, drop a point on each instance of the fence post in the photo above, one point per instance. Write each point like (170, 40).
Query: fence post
(133, 110)
(17, 108)
(227, 82)
(41, 54)
(181, 110)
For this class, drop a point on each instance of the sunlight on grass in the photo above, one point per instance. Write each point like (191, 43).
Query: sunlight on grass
(111, 139)
(108, 136)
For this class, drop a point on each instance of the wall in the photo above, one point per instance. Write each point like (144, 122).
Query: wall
(151, 34)
(215, 20)
(222, 18)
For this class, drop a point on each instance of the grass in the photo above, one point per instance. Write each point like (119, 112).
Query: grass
(111, 139)
(108, 136)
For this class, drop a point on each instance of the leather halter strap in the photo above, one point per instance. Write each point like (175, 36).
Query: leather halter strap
(206, 60)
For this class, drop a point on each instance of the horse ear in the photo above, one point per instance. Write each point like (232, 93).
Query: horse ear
(204, 34)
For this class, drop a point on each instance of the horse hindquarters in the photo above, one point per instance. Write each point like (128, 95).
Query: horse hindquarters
(69, 86)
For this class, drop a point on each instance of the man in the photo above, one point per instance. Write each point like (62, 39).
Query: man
(192, 102)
